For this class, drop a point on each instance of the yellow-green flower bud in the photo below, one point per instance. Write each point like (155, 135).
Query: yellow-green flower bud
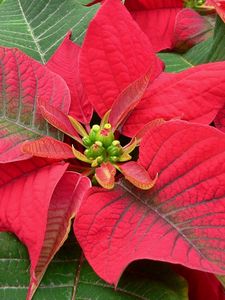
(105, 135)
(94, 130)
(114, 159)
(100, 159)
(88, 153)
(96, 149)
(86, 141)
(115, 149)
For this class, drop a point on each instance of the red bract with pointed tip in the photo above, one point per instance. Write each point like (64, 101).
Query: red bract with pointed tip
(172, 208)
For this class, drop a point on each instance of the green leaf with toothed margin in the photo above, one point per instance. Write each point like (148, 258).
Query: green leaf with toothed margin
(70, 277)
(38, 27)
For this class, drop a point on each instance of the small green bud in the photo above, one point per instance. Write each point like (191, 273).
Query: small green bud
(100, 159)
(115, 150)
(105, 136)
(87, 142)
(107, 126)
(88, 153)
(116, 143)
(94, 130)
(99, 143)
(113, 159)
(96, 149)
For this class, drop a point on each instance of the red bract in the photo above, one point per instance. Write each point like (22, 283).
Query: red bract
(107, 60)
(22, 81)
(38, 200)
(179, 219)
(201, 285)
(167, 24)
(219, 6)
(65, 63)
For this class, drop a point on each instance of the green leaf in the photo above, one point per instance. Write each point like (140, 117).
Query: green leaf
(37, 27)
(216, 51)
(70, 277)
(197, 55)
(175, 62)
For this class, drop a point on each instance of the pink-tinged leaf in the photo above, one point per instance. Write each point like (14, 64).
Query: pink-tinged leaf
(105, 175)
(201, 285)
(111, 58)
(64, 204)
(219, 6)
(180, 220)
(22, 81)
(127, 100)
(181, 95)
(137, 175)
(190, 29)
(65, 63)
(58, 119)
(48, 147)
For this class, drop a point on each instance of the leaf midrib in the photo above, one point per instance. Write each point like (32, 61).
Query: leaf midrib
(32, 34)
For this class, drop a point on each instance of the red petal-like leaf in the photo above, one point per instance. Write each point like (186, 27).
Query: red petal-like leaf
(37, 203)
(181, 95)
(167, 25)
(58, 119)
(26, 190)
(180, 220)
(49, 148)
(22, 81)
(111, 58)
(190, 28)
(157, 20)
(219, 6)
(127, 100)
(137, 175)
(149, 126)
(65, 63)
(105, 175)
(201, 285)
(64, 204)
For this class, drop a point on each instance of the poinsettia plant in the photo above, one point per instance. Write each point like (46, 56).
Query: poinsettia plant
(101, 133)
